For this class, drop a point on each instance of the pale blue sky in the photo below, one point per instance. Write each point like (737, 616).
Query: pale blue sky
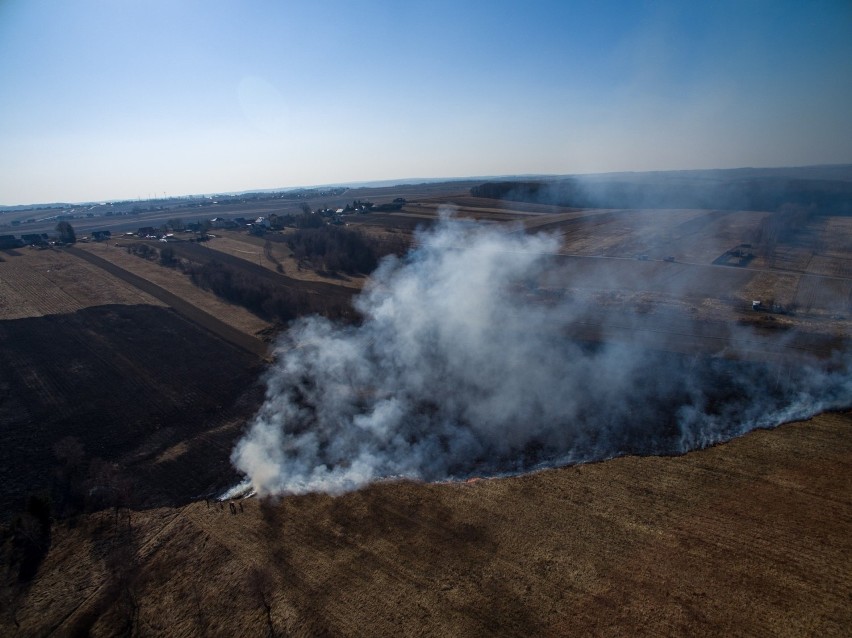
(120, 99)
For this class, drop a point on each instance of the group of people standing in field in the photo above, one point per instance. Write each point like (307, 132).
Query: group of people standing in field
(231, 505)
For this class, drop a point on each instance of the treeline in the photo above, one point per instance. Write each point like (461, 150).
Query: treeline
(166, 255)
(829, 197)
(273, 303)
(334, 249)
(512, 191)
(143, 250)
(328, 249)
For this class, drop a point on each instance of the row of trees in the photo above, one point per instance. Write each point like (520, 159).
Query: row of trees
(273, 303)
(329, 249)
(66, 233)
(335, 249)
(725, 190)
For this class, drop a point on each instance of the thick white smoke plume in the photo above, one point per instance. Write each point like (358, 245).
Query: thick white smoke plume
(461, 367)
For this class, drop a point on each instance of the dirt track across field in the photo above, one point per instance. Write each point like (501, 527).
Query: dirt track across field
(187, 310)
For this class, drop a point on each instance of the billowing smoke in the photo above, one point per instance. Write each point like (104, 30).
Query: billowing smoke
(462, 367)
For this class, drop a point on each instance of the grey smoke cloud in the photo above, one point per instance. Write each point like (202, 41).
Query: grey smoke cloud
(461, 367)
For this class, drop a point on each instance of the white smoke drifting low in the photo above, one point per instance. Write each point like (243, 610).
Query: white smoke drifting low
(459, 369)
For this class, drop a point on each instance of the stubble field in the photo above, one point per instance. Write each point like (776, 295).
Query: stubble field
(747, 538)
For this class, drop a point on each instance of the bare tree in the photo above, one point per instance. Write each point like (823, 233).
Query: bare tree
(66, 233)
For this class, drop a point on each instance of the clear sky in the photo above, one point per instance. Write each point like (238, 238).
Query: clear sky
(121, 99)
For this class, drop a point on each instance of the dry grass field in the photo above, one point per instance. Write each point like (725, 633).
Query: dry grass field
(750, 538)
(274, 255)
(156, 379)
(178, 283)
(34, 283)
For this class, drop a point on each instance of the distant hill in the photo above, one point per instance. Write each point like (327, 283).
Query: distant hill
(827, 188)
(594, 186)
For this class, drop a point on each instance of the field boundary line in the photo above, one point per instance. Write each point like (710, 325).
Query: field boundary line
(188, 311)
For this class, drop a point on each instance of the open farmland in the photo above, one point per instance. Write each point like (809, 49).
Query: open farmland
(600, 265)
(34, 283)
(189, 311)
(272, 253)
(92, 355)
(413, 319)
(179, 284)
(321, 293)
(747, 538)
(156, 378)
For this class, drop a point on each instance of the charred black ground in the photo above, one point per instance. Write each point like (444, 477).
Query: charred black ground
(126, 383)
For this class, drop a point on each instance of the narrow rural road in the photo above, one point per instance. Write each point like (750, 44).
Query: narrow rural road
(183, 308)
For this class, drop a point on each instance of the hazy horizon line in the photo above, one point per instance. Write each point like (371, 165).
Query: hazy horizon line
(414, 181)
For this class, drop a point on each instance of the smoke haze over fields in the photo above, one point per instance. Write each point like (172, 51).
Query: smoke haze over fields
(462, 368)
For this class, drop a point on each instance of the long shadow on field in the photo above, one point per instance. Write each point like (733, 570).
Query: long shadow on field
(109, 399)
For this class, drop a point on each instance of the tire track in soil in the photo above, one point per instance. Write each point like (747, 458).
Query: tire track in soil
(185, 309)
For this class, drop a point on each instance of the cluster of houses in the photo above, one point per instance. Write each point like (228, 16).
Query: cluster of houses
(260, 225)
(219, 223)
(240, 223)
(257, 225)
